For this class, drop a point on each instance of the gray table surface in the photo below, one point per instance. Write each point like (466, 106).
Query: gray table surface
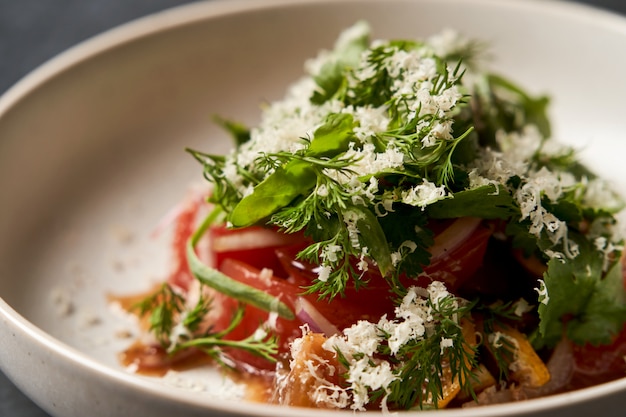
(33, 31)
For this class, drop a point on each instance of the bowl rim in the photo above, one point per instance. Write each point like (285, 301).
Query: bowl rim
(192, 13)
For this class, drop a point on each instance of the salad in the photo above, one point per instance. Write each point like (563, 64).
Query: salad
(400, 231)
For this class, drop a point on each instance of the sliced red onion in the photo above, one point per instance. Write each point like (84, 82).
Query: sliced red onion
(249, 238)
(453, 236)
(311, 316)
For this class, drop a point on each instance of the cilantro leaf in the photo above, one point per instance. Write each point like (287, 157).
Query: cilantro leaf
(588, 306)
(522, 239)
(605, 312)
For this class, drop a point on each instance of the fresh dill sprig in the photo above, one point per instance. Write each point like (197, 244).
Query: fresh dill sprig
(493, 317)
(261, 343)
(165, 307)
(426, 366)
(176, 327)
(429, 348)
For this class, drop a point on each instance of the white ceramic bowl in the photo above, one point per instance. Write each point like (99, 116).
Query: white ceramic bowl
(91, 157)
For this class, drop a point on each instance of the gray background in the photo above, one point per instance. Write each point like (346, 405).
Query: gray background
(33, 31)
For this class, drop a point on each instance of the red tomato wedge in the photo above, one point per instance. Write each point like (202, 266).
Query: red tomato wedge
(608, 360)
(602, 361)
(458, 252)
(368, 303)
(285, 291)
(185, 225)
(321, 315)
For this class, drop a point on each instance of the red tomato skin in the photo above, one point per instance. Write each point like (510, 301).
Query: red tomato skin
(287, 330)
(462, 262)
(603, 360)
(460, 265)
(368, 303)
(185, 225)
(341, 311)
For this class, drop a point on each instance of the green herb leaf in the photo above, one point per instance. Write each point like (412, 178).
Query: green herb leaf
(333, 136)
(346, 54)
(295, 178)
(274, 193)
(588, 306)
(373, 237)
(605, 311)
(486, 202)
(265, 346)
(239, 132)
(235, 289)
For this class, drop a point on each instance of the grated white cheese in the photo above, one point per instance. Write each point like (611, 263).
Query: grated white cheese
(542, 290)
(359, 345)
(424, 194)
(521, 306)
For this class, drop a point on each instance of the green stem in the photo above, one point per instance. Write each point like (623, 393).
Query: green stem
(258, 347)
(226, 285)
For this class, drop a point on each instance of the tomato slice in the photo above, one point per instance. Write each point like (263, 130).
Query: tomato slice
(368, 303)
(185, 225)
(342, 312)
(287, 330)
(247, 254)
(602, 362)
(458, 252)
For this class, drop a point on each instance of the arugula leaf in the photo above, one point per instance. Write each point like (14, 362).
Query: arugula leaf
(590, 308)
(395, 227)
(239, 131)
(275, 192)
(295, 178)
(346, 54)
(373, 237)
